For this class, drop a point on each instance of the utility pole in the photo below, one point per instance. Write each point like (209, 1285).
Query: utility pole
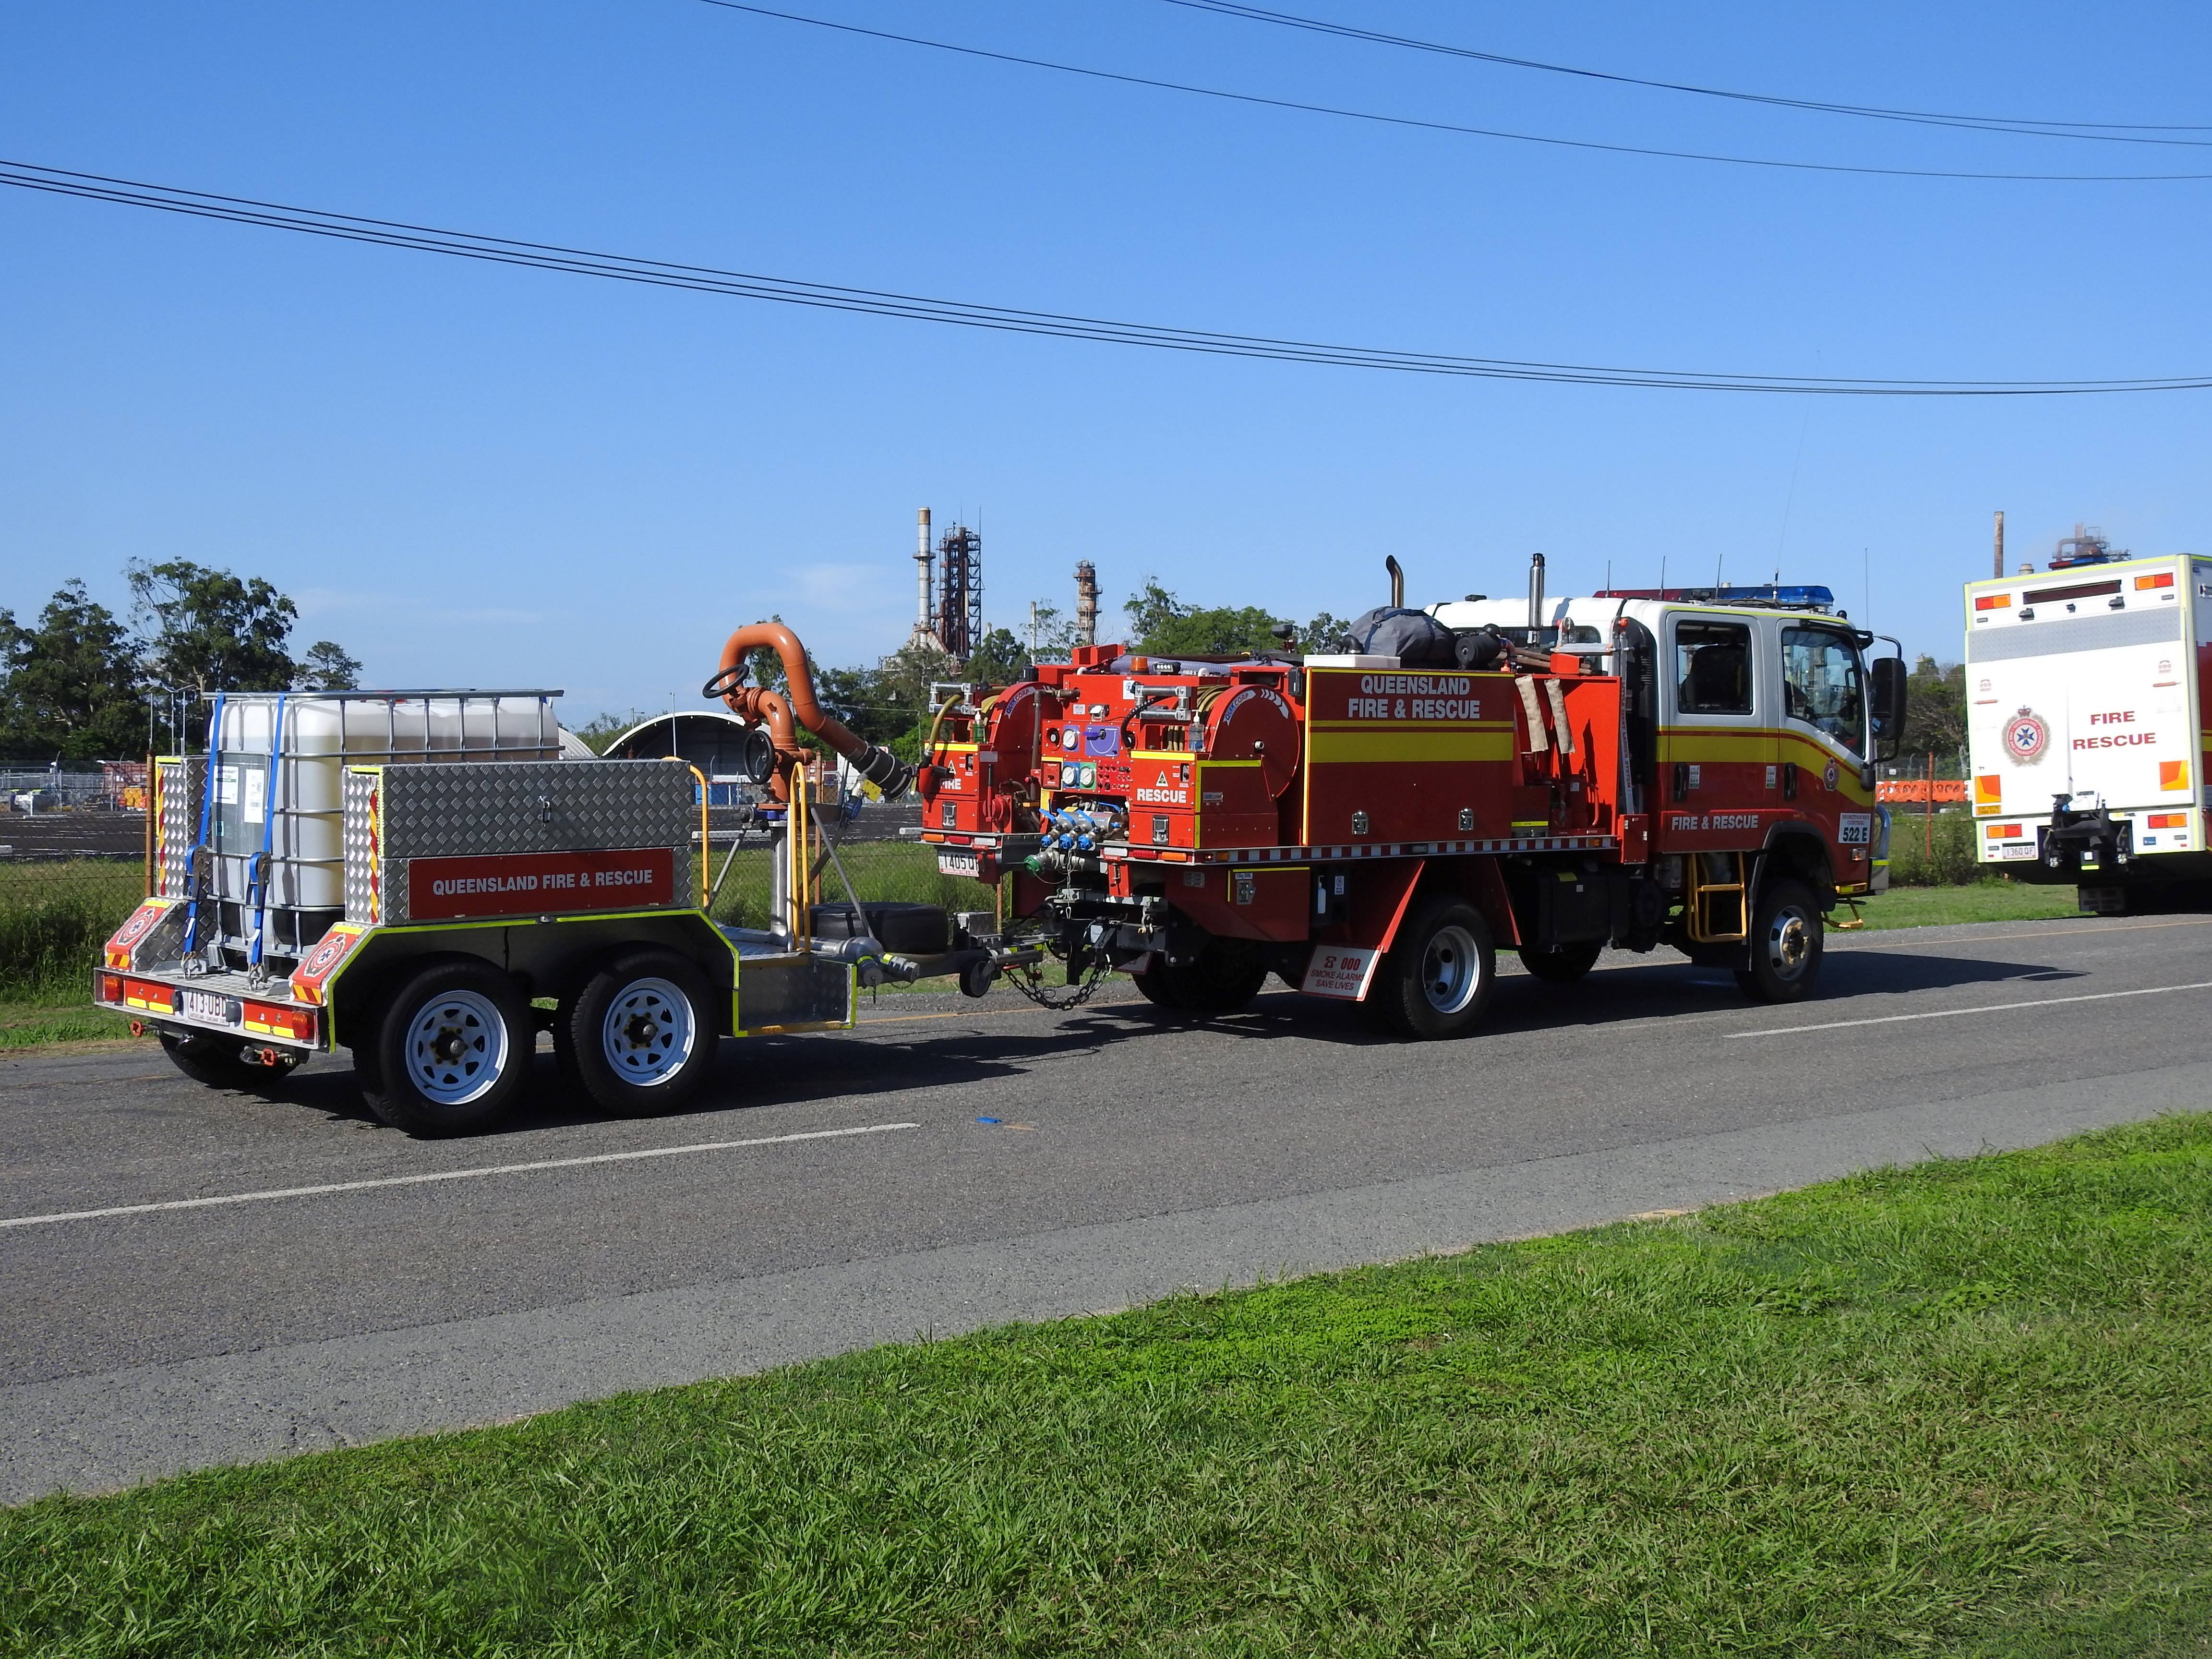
(1997, 569)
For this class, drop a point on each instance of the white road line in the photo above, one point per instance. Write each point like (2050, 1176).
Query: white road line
(443, 1175)
(1986, 1008)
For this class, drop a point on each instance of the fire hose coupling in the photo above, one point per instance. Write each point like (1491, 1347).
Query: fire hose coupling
(884, 771)
(1079, 829)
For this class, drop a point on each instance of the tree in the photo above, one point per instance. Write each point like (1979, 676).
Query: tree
(1163, 626)
(1935, 712)
(602, 729)
(72, 689)
(999, 658)
(212, 631)
(327, 666)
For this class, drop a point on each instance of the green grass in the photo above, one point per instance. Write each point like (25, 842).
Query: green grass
(54, 917)
(1981, 900)
(1961, 1408)
(27, 1024)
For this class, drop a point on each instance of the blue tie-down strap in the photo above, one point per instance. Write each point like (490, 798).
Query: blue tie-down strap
(193, 864)
(268, 838)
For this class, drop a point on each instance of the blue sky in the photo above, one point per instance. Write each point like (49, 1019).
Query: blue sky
(476, 474)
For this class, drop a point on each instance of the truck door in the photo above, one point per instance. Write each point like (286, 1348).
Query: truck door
(1716, 752)
(1823, 743)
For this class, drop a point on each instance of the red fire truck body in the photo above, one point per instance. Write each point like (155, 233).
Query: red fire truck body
(1689, 773)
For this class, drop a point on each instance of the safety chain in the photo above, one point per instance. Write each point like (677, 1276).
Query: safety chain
(1024, 980)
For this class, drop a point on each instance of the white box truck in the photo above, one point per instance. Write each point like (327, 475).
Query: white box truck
(2085, 722)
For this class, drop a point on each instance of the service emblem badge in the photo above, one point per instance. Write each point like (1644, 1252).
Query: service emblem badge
(1829, 774)
(2027, 736)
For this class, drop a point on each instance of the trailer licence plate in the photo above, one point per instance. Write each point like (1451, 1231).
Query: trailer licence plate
(957, 863)
(211, 1007)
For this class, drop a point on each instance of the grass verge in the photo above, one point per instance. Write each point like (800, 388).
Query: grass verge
(53, 1018)
(1960, 1408)
(1980, 900)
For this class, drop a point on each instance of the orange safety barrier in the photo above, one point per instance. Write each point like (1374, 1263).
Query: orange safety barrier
(1922, 792)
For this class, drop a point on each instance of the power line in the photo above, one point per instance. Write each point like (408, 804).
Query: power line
(735, 284)
(1452, 127)
(2031, 126)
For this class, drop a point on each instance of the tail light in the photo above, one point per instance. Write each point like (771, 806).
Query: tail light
(1996, 601)
(2169, 820)
(2163, 579)
(274, 1019)
(2005, 831)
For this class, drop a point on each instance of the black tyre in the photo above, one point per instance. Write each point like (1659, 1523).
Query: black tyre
(454, 1049)
(1223, 976)
(215, 1061)
(640, 1038)
(1563, 966)
(1786, 938)
(1437, 978)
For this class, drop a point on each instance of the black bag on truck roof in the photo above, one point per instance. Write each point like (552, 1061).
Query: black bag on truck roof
(1416, 639)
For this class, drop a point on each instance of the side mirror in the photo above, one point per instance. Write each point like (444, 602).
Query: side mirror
(1887, 703)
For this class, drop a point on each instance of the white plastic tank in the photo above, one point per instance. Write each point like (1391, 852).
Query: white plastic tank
(294, 806)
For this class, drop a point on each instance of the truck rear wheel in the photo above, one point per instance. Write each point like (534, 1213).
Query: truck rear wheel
(453, 1048)
(1225, 976)
(641, 1036)
(1563, 966)
(1785, 945)
(1437, 980)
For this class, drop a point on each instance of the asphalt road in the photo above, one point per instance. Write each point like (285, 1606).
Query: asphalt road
(836, 1191)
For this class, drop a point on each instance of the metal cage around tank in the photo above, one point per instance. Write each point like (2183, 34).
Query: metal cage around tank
(253, 832)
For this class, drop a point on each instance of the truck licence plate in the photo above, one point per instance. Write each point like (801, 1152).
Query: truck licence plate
(957, 863)
(211, 1007)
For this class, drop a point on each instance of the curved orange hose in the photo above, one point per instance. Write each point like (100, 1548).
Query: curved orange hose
(799, 699)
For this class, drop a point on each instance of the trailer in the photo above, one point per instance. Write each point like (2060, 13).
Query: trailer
(2086, 698)
(1689, 768)
(419, 878)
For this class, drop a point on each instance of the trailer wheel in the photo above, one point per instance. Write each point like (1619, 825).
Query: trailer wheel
(454, 1047)
(1563, 966)
(1223, 977)
(1785, 945)
(214, 1061)
(641, 1036)
(1437, 981)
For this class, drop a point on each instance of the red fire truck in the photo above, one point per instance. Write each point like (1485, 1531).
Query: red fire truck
(1688, 768)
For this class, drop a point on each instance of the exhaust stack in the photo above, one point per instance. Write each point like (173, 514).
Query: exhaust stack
(1397, 582)
(1535, 590)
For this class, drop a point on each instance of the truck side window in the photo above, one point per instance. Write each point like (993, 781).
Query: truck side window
(1712, 668)
(1820, 685)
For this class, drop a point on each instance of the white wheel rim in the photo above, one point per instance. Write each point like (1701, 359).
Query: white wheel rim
(1451, 969)
(648, 1031)
(456, 1048)
(1789, 942)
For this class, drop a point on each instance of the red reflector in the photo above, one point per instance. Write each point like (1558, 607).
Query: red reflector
(147, 995)
(1992, 601)
(2164, 579)
(272, 1019)
(111, 987)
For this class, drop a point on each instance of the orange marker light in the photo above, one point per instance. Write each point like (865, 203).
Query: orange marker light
(1993, 601)
(2163, 579)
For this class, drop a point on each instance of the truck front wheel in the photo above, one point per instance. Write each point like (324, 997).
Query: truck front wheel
(641, 1036)
(1785, 945)
(1437, 981)
(454, 1049)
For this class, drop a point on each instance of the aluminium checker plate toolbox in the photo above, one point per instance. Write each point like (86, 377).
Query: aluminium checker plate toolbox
(394, 814)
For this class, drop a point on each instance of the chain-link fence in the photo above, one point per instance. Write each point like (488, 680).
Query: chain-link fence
(55, 913)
